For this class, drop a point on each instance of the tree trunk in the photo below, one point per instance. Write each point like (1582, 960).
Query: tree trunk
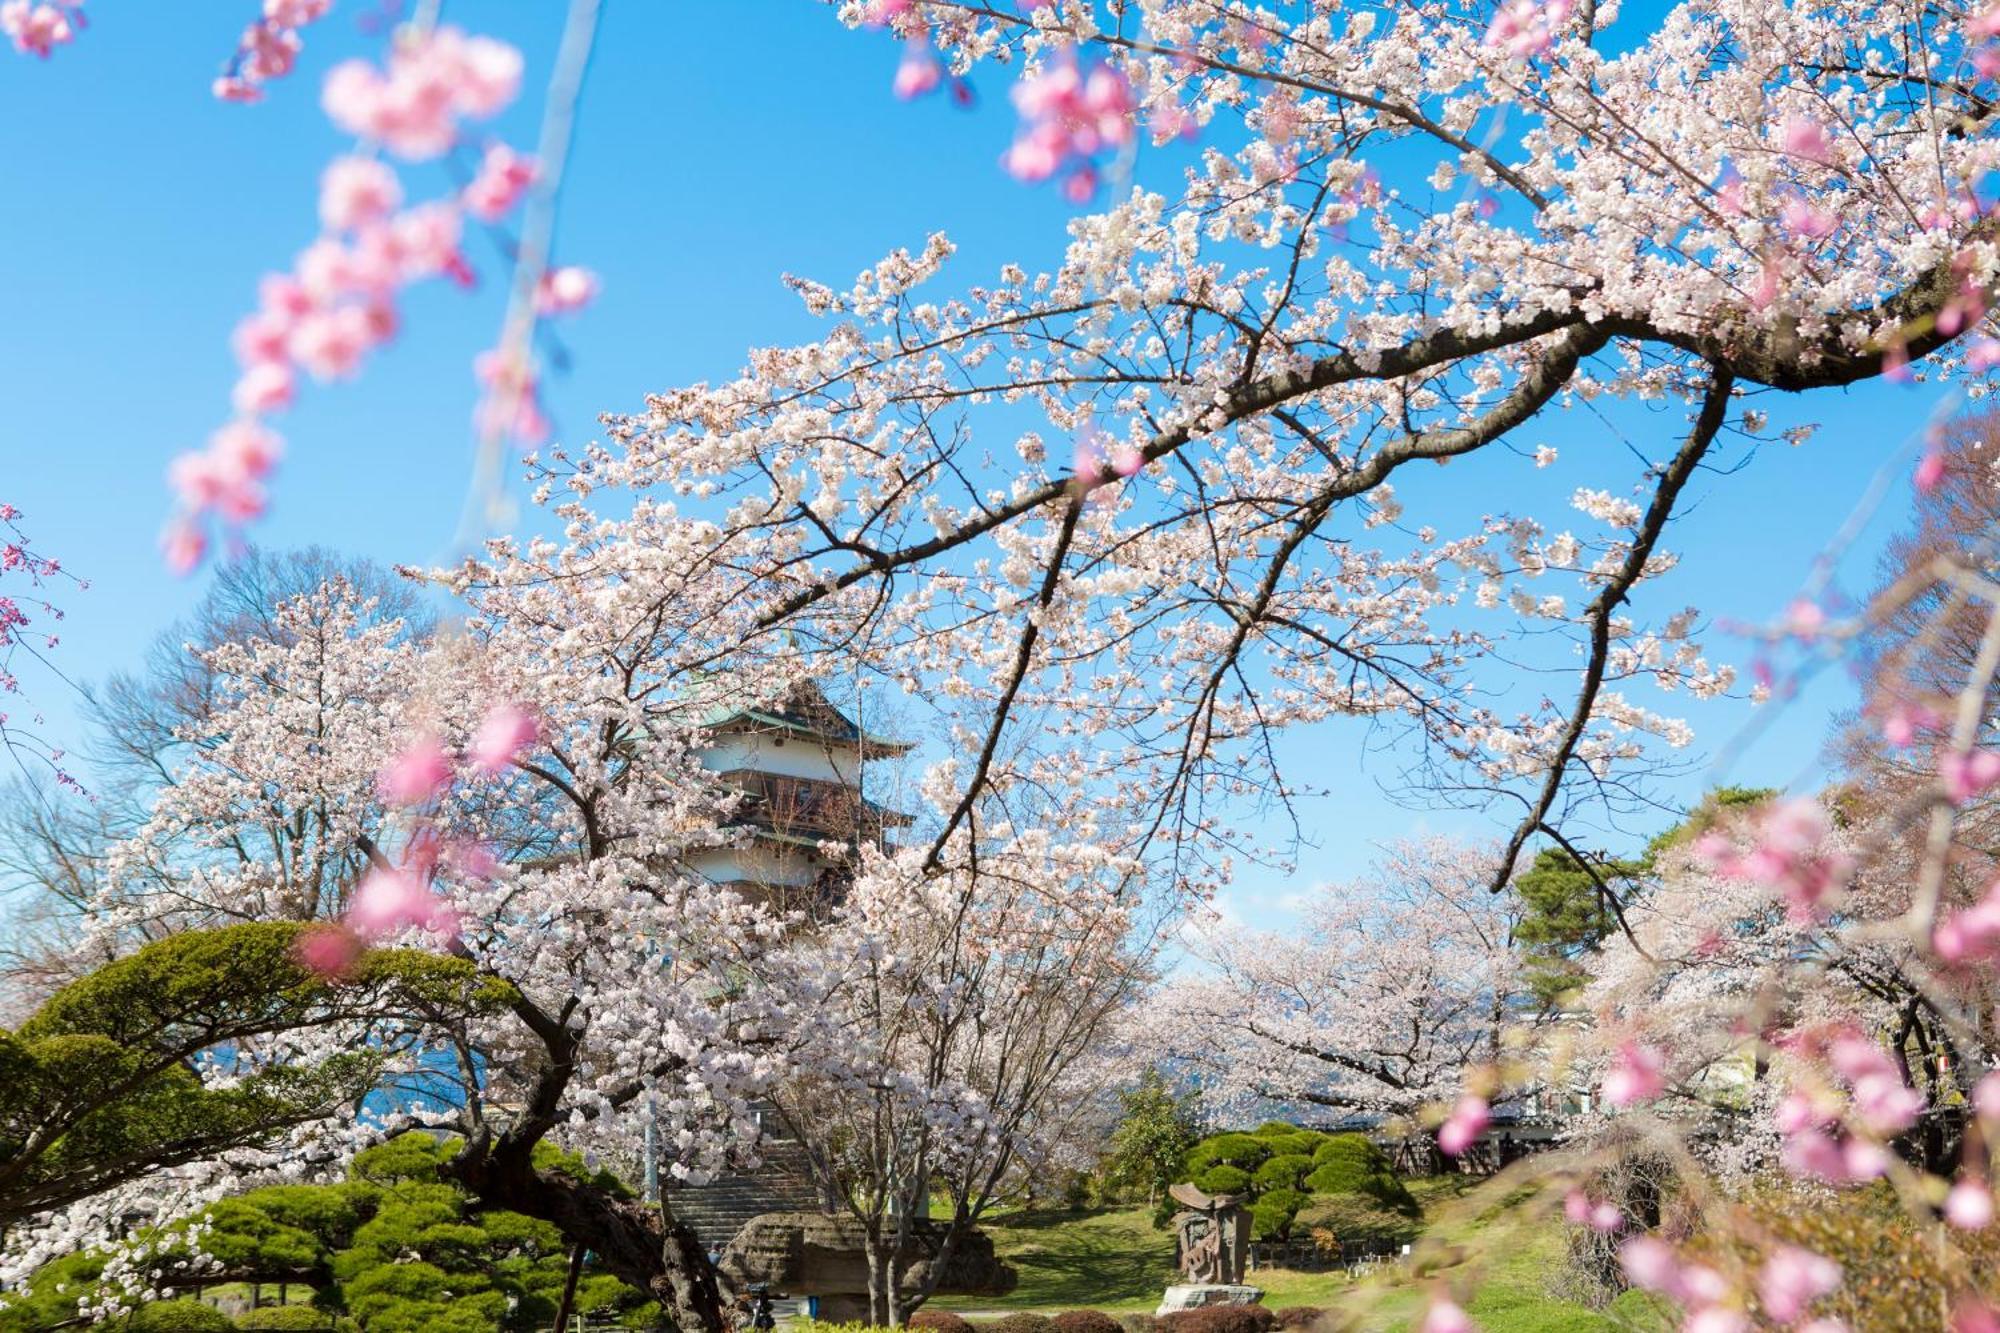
(568, 1301)
(646, 1247)
(878, 1278)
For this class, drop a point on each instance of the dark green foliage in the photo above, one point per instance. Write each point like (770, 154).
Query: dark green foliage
(1154, 1133)
(98, 1078)
(1346, 1148)
(1717, 805)
(1276, 1167)
(1271, 1216)
(1285, 1172)
(1246, 1152)
(1566, 916)
(1223, 1180)
(1564, 919)
(285, 1319)
(1084, 1321)
(392, 1250)
(1293, 1142)
(42, 1305)
(180, 1317)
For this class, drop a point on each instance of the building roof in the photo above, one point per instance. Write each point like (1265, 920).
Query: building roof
(806, 711)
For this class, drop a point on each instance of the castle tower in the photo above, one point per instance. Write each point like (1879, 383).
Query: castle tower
(800, 765)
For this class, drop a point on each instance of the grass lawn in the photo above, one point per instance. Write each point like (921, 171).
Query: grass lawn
(1477, 1237)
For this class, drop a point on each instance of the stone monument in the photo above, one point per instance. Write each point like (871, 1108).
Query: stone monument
(1212, 1240)
(824, 1256)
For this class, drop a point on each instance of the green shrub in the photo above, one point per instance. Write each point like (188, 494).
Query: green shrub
(1084, 1321)
(1271, 1216)
(1283, 1173)
(938, 1321)
(1223, 1179)
(182, 1316)
(1348, 1147)
(284, 1318)
(1289, 1141)
(1244, 1151)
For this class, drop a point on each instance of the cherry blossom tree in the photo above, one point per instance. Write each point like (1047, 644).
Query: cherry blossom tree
(1378, 1005)
(28, 616)
(143, 725)
(978, 1013)
(548, 856)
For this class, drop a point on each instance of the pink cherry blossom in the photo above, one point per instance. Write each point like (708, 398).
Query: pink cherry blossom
(1597, 1214)
(1904, 721)
(505, 731)
(196, 479)
(328, 951)
(1068, 117)
(425, 239)
(267, 51)
(1637, 1074)
(387, 901)
(268, 386)
(565, 290)
(1930, 471)
(1170, 121)
(1468, 1120)
(1525, 29)
(918, 72)
(1792, 1279)
(1443, 1315)
(36, 29)
(329, 344)
(1969, 1205)
(510, 407)
(1650, 1264)
(1791, 852)
(183, 545)
(1806, 138)
(420, 773)
(1986, 1098)
(1806, 220)
(503, 177)
(1885, 1103)
(414, 104)
(1968, 773)
(356, 190)
(296, 13)
(1972, 1315)
(245, 450)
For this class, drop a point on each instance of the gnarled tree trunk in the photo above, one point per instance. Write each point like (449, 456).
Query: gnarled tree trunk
(644, 1245)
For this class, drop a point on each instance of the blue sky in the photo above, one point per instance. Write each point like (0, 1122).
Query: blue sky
(721, 146)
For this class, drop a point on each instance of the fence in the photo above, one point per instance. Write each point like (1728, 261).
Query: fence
(1310, 1257)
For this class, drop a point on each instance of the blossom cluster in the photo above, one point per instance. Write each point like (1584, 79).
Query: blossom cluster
(339, 300)
(268, 48)
(38, 27)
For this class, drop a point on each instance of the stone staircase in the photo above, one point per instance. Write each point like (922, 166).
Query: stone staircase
(717, 1211)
